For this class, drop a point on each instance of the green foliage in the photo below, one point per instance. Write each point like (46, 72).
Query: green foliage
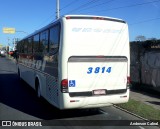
(141, 109)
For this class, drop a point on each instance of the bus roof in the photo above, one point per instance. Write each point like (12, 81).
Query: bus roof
(94, 17)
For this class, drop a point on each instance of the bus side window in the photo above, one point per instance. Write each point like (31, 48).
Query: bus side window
(25, 46)
(44, 42)
(22, 46)
(30, 45)
(36, 43)
(19, 47)
(54, 39)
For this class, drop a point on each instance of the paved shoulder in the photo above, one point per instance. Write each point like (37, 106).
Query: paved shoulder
(147, 98)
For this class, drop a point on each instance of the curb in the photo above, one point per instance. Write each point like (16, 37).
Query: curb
(131, 113)
(122, 109)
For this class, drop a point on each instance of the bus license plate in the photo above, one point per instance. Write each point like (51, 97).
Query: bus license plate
(99, 92)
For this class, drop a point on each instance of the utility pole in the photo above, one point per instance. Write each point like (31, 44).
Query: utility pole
(57, 12)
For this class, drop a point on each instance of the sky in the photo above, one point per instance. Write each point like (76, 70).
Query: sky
(27, 16)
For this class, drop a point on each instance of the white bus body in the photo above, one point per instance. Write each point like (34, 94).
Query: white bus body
(91, 67)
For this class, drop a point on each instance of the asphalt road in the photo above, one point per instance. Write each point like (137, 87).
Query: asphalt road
(18, 101)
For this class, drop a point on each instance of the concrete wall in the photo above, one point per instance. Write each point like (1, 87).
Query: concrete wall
(145, 66)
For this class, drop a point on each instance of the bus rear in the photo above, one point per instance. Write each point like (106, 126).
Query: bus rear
(94, 61)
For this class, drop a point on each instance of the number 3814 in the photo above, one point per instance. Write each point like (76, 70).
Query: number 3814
(99, 70)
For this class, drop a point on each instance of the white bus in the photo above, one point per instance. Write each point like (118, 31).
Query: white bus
(78, 62)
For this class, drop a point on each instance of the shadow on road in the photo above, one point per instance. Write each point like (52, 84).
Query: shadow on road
(146, 91)
(154, 102)
(22, 97)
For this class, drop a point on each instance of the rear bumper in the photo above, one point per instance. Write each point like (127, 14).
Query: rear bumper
(93, 101)
(90, 93)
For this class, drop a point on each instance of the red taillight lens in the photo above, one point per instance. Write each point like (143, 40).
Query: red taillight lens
(128, 80)
(64, 86)
(64, 83)
(68, 17)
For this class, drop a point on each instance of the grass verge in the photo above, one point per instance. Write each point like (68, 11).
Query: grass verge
(141, 109)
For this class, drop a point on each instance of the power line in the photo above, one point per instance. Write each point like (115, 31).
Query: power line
(84, 5)
(158, 18)
(100, 4)
(80, 7)
(46, 20)
(94, 1)
(74, 1)
(129, 6)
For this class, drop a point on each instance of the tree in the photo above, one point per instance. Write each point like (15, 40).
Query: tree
(153, 39)
(140, 38)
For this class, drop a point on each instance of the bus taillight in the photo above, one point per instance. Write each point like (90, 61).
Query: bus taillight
(64, 86)
(128, 81)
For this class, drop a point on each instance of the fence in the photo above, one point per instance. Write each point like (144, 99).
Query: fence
(145, 64)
